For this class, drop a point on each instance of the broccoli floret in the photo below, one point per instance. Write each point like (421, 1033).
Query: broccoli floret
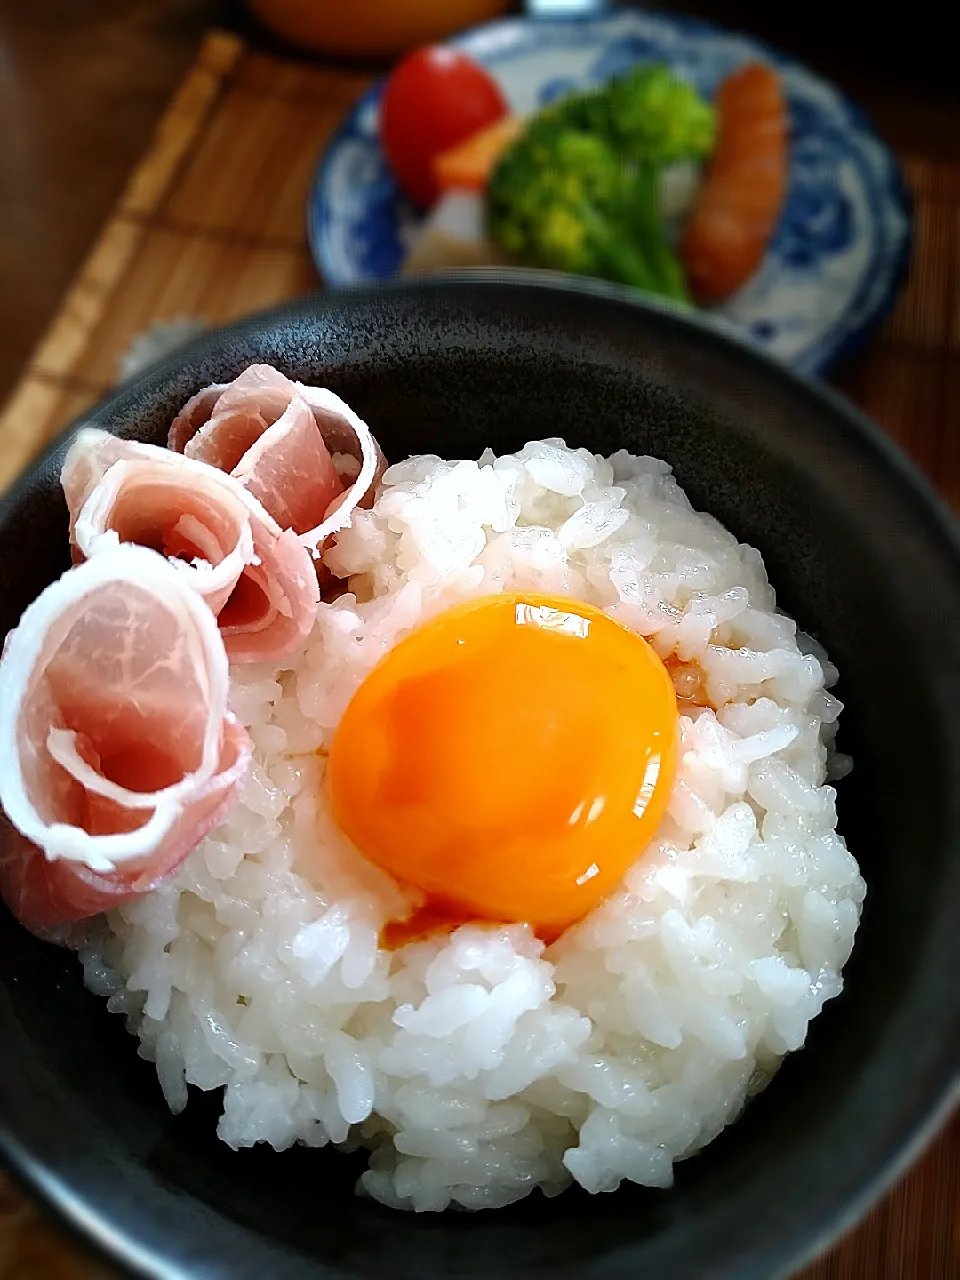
(564, 199)
(648, 115)
(579, 190)
(657, 118)
(539, 193)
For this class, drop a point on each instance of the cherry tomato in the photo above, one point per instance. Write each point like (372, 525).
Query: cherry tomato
(435, 98)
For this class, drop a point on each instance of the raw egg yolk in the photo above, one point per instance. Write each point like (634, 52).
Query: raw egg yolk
(511, 758)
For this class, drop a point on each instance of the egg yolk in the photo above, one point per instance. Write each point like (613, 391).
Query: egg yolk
(511, 758)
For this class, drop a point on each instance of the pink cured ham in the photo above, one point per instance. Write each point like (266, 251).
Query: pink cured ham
(303, 452)
(117, 749)
(256, 577)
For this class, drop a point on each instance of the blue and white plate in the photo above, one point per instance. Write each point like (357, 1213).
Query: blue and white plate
(839, 253)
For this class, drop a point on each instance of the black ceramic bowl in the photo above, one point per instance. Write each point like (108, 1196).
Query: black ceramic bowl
(861, 554)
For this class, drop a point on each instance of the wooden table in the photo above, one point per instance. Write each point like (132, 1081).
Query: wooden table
(210, 224)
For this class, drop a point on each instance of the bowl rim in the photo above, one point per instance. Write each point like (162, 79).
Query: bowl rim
(58, 1193)
(712, 328)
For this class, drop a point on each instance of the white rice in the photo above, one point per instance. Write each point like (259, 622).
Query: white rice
(479, 1065)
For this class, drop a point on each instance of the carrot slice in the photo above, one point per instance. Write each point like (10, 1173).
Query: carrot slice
(469, 164)
(739, 203)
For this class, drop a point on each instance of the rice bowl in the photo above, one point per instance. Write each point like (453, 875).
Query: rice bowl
(859, 553)
(480, 1064)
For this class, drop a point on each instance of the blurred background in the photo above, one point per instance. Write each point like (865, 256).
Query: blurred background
(155, 162)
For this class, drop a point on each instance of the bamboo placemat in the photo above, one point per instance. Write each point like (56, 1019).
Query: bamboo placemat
(211, 226)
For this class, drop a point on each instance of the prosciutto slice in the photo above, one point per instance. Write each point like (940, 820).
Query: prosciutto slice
(303, 452)
(256, 577)
(117, 749)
